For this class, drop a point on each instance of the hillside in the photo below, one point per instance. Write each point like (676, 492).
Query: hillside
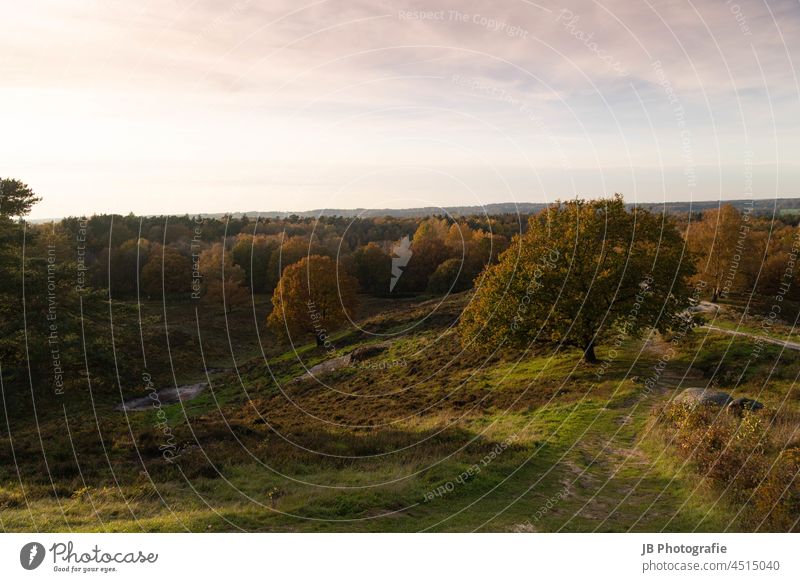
(415, 434)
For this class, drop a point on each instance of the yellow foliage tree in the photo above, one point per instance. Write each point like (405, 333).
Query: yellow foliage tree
(714, 240)
(222, 278)
(313, 297)
(584, 270)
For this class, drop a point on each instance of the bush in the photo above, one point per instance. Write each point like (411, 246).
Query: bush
(777, 498)
(742, 457)
(450, 277)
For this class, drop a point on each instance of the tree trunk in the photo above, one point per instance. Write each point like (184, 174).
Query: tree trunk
(714, 296)
(588, 354)
(320, 341)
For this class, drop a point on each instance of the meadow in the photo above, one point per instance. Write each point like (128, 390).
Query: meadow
(417, 435)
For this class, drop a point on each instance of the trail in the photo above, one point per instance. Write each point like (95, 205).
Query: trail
(616, 479)
(763, 338)
(620, 479)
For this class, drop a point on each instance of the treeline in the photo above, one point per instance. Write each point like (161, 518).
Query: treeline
(68, 289)
(737, 251)
(742, 253)
(191, 256)
(47, 328)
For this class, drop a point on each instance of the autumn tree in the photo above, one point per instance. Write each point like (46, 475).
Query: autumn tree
(583, 271)
(714, 240)
(373, 269)
(166, 272)
(450, 276)
(768, 266)
(313, 297)
(252, 253)
(470, 250)
(289, 252)
(428, 251)
(223, 280)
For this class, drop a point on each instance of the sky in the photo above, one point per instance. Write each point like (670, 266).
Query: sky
(173, 106)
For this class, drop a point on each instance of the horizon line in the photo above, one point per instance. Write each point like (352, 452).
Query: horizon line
(327, 211)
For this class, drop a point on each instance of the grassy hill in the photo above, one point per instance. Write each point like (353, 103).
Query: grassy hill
(419, 435)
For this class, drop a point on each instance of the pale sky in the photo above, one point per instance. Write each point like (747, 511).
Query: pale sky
(175, 106)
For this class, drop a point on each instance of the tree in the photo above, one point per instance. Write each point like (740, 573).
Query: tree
(67, 329)
(450, 276)
(714, 239)
(313, 297)
(583, 270)
(223, 280)
(373, 269)
(16, 198)
(118, 267)
(166, 271)
(292, 250)
(470, 251)
(252, 253)
(428, 251)
(768, 265)
(216, 264)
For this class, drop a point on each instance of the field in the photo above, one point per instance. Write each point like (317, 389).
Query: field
(416, 434)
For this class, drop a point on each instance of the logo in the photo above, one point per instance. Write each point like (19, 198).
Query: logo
(31, 555)
(401, 254)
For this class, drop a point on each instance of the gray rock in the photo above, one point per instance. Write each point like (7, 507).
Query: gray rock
(704, 396)
(327, 366)
(739, 405)
(163, 397)
(367, 352)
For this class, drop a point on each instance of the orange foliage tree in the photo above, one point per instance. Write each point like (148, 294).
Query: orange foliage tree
(313, 297)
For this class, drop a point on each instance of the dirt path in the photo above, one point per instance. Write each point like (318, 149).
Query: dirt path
(604, 473)
(618, 478)
(624, 478)
(763, 338)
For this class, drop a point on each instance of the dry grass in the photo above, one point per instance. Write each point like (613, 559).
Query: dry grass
(753, 459)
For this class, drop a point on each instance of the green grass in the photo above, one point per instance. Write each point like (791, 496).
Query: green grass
(778, 332)
(577, 449)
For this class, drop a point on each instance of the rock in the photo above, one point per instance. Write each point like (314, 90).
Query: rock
(357, 355)
(366, 352)
(739, 405)
(704, 396)
(327, 366)
(163, 397)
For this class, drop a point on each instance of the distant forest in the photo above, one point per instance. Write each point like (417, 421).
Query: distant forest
(777, 206)
(149, 256)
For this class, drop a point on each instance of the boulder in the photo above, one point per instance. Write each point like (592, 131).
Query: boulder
(367, 352)
(327, 366)
(739, 405)
(704, 396)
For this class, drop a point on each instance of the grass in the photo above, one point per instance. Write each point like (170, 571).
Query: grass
(784, 333)
(448, 441)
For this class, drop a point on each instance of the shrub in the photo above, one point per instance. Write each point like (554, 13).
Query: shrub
(738, 455)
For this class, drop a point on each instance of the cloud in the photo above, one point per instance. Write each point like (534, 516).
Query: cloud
(360, 85)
